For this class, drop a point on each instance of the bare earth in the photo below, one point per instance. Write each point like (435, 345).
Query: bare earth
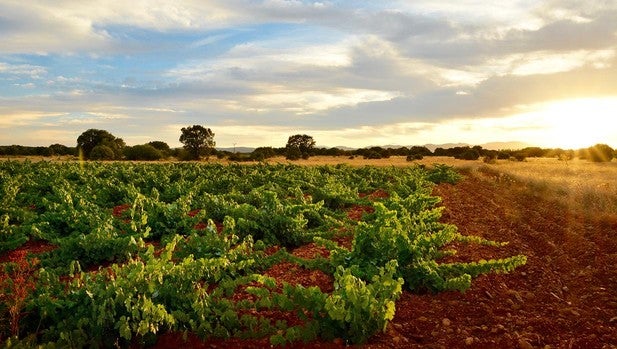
(565, 297)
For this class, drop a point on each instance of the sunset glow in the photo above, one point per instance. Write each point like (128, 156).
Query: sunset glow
(349, 73)
(578, 123)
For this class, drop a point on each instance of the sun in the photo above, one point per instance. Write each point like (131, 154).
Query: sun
(579, 123)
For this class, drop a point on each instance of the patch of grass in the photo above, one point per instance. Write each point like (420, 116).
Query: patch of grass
(580, 185)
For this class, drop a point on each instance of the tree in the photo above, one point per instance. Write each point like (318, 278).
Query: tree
(197, 141)
(302, 144)
(92, 138)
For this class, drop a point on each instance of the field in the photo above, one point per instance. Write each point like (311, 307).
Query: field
(327, 255)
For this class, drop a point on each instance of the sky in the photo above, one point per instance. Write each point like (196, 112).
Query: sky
(348, 73)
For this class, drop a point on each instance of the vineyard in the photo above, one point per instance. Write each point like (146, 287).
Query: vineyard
(124, 254)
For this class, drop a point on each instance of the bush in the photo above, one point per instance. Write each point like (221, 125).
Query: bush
(503, 155)
(161, 146)
(102, 152)
(240, 157)
(183, 155)
(92, 138)
(600, 153)
(490, 159)
(293, 153)
(518, 157)
(412, 157)
(372, 154)
(263, 153)
(470, 154)
(143, 152)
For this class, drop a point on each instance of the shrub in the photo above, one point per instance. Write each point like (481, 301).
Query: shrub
(293, 153)
(442, 173)
(503, 155)
(490, 159)
(412, 157)
(240, 157)
(600, 153)
(359, 309)
(143, 152)
(102, 152)
(372, 154)
(183, 155)
(518, 156)
(471, 154)
(161, 146)
(263, 153)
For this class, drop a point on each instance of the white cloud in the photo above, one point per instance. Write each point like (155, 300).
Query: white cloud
(307, 102)
(22, 118)
(33, 71)
(550, 63)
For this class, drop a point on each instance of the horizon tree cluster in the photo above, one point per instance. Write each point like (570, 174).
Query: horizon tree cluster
(198, 141)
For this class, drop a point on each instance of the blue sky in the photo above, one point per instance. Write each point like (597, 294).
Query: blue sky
(351, 73)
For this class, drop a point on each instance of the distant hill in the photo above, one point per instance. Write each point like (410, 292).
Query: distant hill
(342, 147)
(237, 149)
(514, 145)
(432, 147)
(506, 145)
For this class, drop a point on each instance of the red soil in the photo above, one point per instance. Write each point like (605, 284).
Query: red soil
(30, 247)
(565, 297)
(377, 194)
(356, 212)
(119, 210)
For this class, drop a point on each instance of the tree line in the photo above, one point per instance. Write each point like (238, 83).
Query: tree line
(198, 142)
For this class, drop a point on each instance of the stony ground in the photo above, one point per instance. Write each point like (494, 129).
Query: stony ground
(565, 297)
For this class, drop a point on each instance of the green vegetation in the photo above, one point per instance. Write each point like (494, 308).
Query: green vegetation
(299, 146)
(100, 145)
(143, 249)
(198, 141)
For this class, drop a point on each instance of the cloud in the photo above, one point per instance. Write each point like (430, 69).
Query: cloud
(33, 71)
(29, 27)
(357, 69)
(22, 118)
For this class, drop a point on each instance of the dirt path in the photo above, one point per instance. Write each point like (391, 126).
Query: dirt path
(565, 297)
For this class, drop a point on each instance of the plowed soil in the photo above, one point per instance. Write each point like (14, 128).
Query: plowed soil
(565, 297)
